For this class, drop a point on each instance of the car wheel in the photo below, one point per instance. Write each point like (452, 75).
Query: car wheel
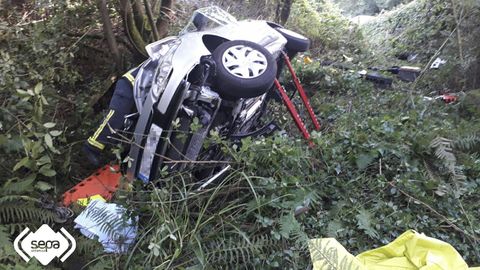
(295, 41)
(244, 69)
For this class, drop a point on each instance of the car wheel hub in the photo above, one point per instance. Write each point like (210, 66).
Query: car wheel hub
(244, 62)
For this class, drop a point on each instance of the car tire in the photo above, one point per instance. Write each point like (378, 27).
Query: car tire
(244, 69)
(295, 41)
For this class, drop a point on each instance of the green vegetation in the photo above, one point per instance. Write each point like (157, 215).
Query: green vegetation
(386, 160)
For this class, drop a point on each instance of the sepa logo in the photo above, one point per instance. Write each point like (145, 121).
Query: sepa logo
(44, 244)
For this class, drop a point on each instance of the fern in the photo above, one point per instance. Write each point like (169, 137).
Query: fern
(108, 221)
(20, 211)
(444, 151)
(9, 258)
(232, 251)
(102, 264)
(15, 186)
(115, 224)
(4, 236)
(291, 228)
(467, 143)
(87, 246)
(327, 254)
(24, 212)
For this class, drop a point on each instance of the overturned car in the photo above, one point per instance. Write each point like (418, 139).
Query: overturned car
(216, 75)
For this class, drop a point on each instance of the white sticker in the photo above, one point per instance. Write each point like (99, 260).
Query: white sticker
(149, 152)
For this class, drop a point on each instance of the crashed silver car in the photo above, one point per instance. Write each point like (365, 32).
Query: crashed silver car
(216, 75)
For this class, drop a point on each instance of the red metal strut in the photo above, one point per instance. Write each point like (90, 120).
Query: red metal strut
(300, 90)
(291, 108)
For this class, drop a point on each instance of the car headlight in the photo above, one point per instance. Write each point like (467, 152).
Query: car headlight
(164, 67)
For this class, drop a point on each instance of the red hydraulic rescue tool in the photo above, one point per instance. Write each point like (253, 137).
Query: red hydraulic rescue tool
(291, 107)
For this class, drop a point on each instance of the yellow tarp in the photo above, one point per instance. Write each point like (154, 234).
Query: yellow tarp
(410, 251)
(85, 201)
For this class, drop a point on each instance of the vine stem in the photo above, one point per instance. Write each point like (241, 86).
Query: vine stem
(469, 236)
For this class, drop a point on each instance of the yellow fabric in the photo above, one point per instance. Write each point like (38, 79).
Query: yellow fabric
(410, 251)
(413, 250)
(85, 201)
(307, 60)
(93, 139)
(129, 77)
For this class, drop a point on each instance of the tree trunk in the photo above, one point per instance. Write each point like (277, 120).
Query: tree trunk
(282, 11)
(285, 11)
(138, 16)
(278, 8)
(130, 28)
(148, 10)
(108, 32)
(166, 14)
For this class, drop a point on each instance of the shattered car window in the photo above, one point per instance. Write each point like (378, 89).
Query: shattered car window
(208, 18)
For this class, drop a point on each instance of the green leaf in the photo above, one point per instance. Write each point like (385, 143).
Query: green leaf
(44, 100)
(48, 140)
(47, 171)
(31, 177)
(23, 93)
(363, 160)
(55, 133)
(38, 88)
(37, 149)
(364, 222)
(25, 162)
(44, 160)
(334, 226)
(49, 125)
(43, 186)
(288, 225)
(5, 238)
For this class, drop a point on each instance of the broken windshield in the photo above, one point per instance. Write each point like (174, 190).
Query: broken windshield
(208, 18)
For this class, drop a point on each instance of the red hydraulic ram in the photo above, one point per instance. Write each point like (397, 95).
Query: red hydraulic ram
(300, 90)
(291, 108)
